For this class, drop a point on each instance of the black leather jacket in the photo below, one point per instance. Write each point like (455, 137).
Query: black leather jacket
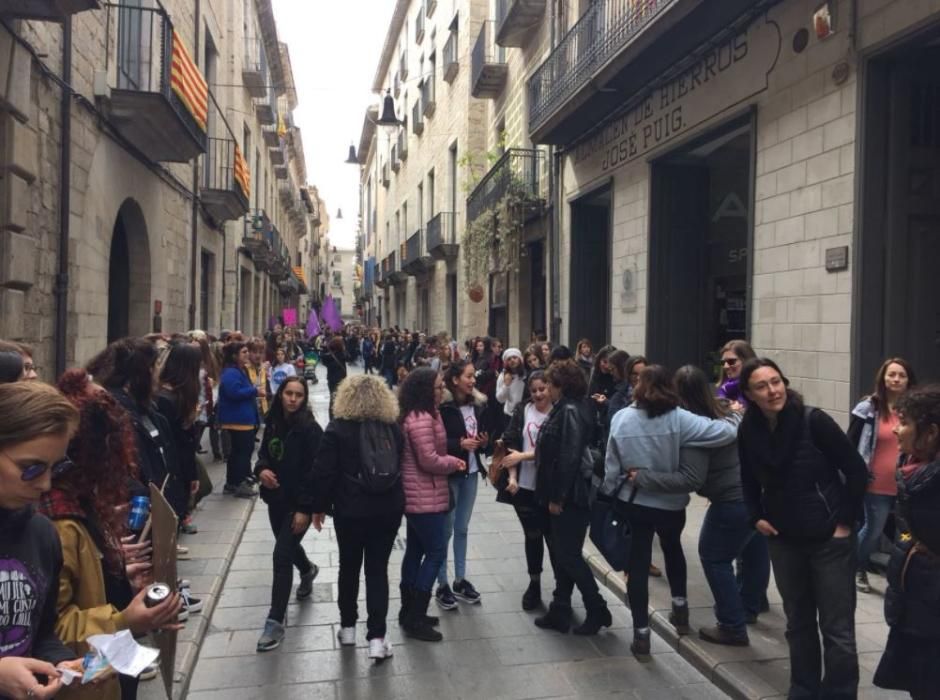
(559, 455)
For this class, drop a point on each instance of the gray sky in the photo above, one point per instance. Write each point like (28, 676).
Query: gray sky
(334, 50)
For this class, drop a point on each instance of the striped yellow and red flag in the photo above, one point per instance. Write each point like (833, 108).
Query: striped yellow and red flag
(188, 84)
(242, 175)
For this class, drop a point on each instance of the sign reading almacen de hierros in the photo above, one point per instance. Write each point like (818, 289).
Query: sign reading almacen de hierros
(726, 75)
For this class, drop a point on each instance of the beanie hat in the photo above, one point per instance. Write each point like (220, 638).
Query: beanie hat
(511, 352)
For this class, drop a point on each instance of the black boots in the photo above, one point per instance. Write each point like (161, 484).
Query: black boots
(532, 598)
(406, 594)
(641, 643)
(557, 618)
(679, 617)
(720, 634)
(596, 618)
(416, 624)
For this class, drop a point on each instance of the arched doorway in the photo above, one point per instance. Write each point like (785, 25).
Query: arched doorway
(129, 274)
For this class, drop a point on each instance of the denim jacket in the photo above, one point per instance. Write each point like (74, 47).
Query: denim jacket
(862, 431)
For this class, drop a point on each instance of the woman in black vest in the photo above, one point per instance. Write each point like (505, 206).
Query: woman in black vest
(285, 462)
(912, 603)
(803, 484)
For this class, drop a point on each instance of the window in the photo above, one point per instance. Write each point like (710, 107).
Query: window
(431, 194)
(453, 177)
(420, 205)
(337, 278)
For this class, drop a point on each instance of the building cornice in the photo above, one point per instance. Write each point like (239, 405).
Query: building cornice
(399, 16)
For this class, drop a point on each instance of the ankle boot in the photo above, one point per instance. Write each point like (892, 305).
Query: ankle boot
(532, 598)
(596, 618)
(641, 643)
(405, 603)
(557, 618)
(679, 617)
(416, 624)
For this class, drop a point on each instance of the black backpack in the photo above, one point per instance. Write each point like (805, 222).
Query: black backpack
(379, 468)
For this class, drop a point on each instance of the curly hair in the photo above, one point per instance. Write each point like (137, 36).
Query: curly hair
(568, 377)
(104, 454)
(921, 406)
(127, 362)
(416, 394)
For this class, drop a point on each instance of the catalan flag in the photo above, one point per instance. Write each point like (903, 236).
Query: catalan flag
(281, 126)
(242, 175)
(187, 82)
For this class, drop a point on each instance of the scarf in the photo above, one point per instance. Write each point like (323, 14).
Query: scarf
(57, 504)
(770, 451)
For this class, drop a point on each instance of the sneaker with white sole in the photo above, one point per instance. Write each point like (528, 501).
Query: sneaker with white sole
(191, 602)
(150, 671)
(182, 615)
(347, 636)
(380, 648)
(464, 590)
(272, 636)
(445, 598)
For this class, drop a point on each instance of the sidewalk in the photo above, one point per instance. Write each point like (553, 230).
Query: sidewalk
(760, 671)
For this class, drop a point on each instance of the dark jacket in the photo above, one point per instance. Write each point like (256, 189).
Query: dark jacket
(389, 356)
(457, 430)
(294, 466)
(620, 398)
(912, 601)
(566, 434)
(336, 488)
(31, 561)
(804, 477)
(238, 403)
(157, 459)
(335, 368)
(184, 438)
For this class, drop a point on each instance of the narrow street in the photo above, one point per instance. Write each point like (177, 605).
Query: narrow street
(492, 650)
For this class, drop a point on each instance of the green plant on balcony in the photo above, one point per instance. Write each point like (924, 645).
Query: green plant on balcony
(493, 242)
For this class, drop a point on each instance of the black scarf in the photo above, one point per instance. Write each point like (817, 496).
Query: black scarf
(772, 450)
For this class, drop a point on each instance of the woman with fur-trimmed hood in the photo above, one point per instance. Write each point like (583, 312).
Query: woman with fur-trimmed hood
(366, 513)
(467, 423)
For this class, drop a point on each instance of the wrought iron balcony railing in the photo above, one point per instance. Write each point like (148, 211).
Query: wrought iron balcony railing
(604, 30)
(255, 67)
(450, 64)
(515, 174)
(223, 196)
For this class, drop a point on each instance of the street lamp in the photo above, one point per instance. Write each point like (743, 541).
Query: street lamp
(352, 159)
(339, 213)
(388, 118)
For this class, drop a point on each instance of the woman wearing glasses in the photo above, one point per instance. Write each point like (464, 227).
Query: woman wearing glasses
(99, 593)
(36, 423)
(734, 354)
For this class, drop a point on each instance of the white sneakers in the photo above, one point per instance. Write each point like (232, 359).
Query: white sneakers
(347, 636)
(380, 648)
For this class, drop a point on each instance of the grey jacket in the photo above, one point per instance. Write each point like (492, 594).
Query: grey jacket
(653, 444)
(713, 473)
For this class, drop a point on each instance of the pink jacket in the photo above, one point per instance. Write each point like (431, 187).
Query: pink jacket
(425, 464)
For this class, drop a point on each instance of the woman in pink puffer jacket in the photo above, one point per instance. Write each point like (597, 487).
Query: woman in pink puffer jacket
(425, 466)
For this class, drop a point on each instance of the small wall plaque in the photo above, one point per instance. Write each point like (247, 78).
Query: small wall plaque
(837, 259)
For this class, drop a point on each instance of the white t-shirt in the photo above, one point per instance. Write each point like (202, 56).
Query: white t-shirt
(470, 424)
(530, 436)
(280, 373)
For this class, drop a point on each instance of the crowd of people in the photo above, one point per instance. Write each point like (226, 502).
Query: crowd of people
(561, 435)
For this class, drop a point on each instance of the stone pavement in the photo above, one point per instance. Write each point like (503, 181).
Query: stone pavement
(761, 670)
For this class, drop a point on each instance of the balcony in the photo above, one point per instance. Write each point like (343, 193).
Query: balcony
(222, 195)
(489, 68)
(417, 119)
(442, 236)
(417, 258)
(381, 275)
(617, 50)
(257, 238)
(255, 67)
(277, 156)
(419, 26)
(397, 275)
(428, 95)
(403, 143)
(396, 163)
(144, 106)
(451, 65)
(430, 7)
(516, 20)
(45, 10)
(266, 109)
(270, 136)
(280, 172)
(516, 175)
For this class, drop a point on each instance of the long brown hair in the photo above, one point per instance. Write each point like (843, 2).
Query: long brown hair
(742, 350)
(696, 395)
(180, 376)
(655, 392)
(879, 397)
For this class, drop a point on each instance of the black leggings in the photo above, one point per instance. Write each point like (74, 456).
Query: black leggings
(288, 553)
(644, 523)
(534, 521)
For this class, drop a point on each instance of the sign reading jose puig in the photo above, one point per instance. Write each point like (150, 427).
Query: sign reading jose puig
(725, 76)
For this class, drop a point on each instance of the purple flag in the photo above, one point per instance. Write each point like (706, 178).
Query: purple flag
(330, 316)
(313, 324)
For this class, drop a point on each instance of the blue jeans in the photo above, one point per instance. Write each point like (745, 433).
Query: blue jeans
(463, 494)
(425, 549)
(726, 535)
(877, 509)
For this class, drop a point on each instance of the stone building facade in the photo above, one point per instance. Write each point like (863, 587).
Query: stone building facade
(159, 232)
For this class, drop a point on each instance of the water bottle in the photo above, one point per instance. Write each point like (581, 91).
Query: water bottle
(140, 511)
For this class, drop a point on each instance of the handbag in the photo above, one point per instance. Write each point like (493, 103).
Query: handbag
(610, 530)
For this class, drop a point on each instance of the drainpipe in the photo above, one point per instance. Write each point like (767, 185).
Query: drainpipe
(193, 249)
(554, 223)
(65, 189)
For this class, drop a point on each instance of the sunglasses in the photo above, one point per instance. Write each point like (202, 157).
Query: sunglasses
(31, 472)
(730, 361)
